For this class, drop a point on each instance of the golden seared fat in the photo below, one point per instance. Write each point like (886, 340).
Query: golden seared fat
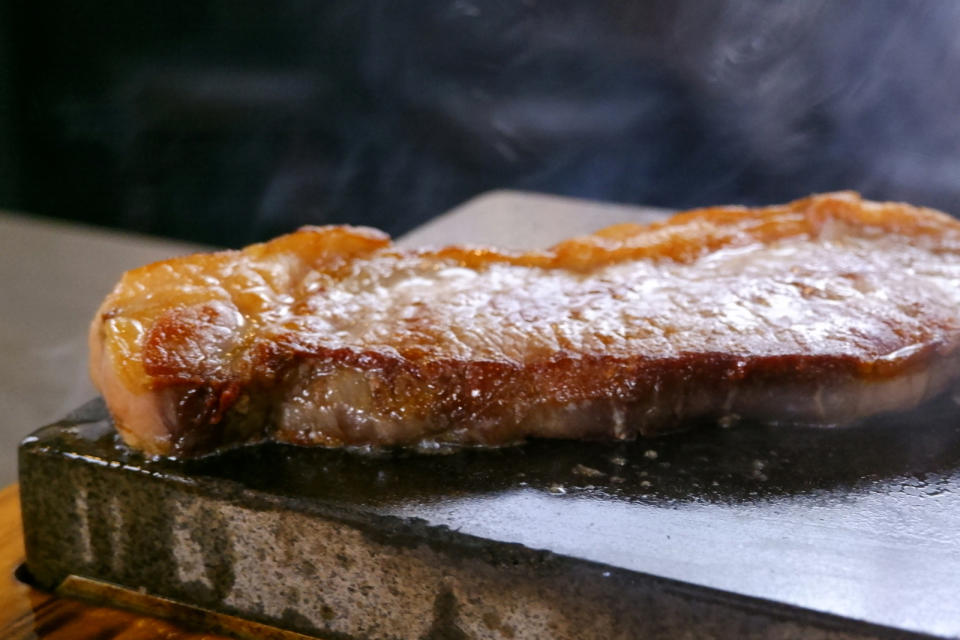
(826, 310)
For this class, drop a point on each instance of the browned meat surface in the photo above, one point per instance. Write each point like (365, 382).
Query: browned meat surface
(824, 310)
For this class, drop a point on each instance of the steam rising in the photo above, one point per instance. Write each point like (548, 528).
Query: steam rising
(387, 113)
(676, 104)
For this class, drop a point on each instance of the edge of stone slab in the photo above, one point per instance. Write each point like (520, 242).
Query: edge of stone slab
(45, 446)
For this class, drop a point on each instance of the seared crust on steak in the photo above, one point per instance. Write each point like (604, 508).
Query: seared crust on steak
(825, 310)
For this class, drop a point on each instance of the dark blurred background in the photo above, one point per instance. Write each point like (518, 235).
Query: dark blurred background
(226, 122)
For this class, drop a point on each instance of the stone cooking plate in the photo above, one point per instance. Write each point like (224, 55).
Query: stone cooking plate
(748, 531)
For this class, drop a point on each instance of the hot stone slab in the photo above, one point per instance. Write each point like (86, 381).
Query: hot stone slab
(748, 531)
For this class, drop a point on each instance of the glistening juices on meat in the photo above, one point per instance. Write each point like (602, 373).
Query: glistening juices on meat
(825, 310)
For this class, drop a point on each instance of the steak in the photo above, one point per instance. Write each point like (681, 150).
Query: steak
(825, 310)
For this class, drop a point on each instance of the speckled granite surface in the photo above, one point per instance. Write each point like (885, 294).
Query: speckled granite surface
(552, 540)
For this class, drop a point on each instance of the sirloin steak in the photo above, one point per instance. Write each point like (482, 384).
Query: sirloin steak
(825, 310)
